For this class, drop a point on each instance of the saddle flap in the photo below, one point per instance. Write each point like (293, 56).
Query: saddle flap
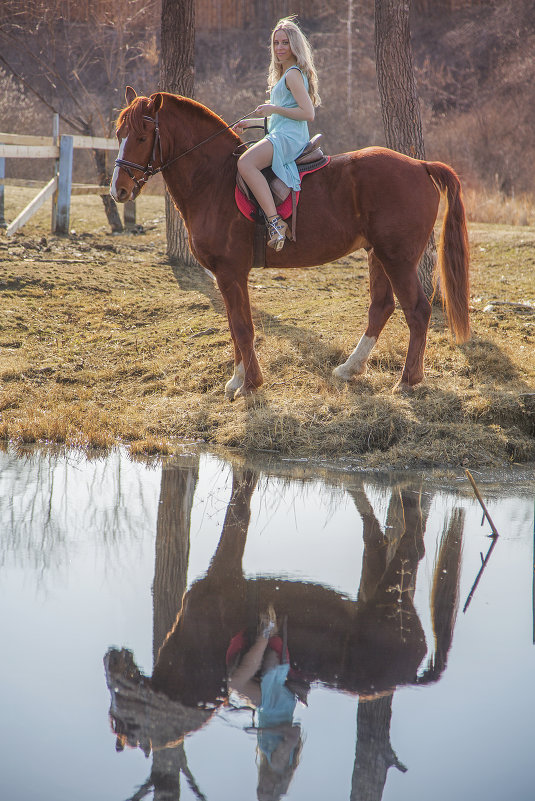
(279, 190)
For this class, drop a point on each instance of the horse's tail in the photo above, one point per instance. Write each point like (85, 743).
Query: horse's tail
(445, 595)
(453, 251)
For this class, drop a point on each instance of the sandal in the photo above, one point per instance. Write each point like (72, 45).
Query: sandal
(267, 624)
(277, 232)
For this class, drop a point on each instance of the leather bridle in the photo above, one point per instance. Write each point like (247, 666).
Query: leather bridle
(149, 170)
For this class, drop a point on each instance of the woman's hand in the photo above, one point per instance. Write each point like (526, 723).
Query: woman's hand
(265, 109)
(239, 127)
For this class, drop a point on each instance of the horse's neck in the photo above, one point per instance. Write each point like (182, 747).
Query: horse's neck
(195, 164)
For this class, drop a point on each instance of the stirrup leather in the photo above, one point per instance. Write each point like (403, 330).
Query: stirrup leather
(277, 232)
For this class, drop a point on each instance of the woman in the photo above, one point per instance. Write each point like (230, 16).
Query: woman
(293, 85)
(261, 672)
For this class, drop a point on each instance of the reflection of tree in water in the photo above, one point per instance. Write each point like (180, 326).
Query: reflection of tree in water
(367, 647)
(46, 498)
(404, 532)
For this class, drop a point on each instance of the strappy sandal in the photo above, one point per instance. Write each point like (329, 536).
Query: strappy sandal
(267, 624)
(277, 232)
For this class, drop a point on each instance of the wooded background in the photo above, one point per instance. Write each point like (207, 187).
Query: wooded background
(474, 69)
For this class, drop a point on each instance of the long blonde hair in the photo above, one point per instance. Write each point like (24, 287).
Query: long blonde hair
(302, 50)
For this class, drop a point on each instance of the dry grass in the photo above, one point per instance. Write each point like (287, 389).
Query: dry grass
(101, 342)
(494, 207)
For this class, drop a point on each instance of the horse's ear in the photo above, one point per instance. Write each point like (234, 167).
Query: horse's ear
(156, 101)
(130, 95)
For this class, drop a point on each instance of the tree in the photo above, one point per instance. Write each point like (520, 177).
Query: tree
(76, 58)
(177, 76)
(399, 99)
(172, 545)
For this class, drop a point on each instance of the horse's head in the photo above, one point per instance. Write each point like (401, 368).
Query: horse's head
(140, 153)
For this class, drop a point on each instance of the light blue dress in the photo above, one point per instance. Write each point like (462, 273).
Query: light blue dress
(288, 137)
(278, 702)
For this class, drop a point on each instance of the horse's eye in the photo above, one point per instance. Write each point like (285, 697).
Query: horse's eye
(142, 139)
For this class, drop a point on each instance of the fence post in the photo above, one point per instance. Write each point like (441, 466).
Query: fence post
(63, 203)
(55, 138)
(3, 223)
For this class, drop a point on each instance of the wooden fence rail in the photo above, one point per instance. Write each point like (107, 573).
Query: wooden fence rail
(60, 188)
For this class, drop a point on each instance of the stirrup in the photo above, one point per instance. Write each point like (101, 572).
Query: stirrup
(277, 232)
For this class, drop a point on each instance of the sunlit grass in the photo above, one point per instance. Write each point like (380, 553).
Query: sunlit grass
(100, 343)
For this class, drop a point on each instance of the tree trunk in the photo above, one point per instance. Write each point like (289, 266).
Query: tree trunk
(177, 76)
(104, 178)
(374, 755)
(172, 546)
(399, 100)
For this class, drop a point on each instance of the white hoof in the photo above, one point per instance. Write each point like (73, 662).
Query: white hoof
(232, 386)
(346, 374)
(356, 363)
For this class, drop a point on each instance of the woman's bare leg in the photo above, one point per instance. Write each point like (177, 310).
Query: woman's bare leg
(241, 679)
(256, 158)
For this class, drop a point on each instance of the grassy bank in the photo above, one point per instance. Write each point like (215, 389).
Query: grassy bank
(100, 341)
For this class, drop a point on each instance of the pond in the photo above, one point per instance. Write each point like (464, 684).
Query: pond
(211, 628)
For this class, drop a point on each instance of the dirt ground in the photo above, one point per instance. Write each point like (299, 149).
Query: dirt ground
(102, 341)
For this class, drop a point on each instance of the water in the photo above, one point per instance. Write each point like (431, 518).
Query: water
(96, 556)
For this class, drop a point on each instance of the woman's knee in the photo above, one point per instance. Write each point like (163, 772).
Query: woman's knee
(257, 157)
(243, 164)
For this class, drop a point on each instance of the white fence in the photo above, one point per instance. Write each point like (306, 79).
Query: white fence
(60, 187)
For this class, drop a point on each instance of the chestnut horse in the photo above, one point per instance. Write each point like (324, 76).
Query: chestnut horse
(374, 198)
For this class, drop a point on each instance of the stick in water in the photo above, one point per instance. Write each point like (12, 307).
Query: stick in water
(480, 499)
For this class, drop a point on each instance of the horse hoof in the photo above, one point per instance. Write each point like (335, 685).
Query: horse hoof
(341, 372)
(402, 388)
(347, 375)
(244, 392)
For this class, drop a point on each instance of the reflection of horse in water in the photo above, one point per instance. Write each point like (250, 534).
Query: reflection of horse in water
(367, 647)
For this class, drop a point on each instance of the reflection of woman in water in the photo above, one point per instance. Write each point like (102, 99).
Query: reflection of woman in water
(262, 674)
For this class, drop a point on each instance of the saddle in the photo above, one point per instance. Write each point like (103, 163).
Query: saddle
(312, 158)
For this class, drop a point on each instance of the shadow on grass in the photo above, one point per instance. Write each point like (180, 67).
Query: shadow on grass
(195, 279)
(488, 363)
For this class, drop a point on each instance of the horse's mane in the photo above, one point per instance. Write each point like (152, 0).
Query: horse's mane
(200, 111)
(134, 113)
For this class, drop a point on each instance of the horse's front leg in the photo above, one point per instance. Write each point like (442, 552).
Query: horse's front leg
(236, 382)
(247, 377)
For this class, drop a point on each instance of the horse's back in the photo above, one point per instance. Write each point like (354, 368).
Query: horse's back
(354, 201)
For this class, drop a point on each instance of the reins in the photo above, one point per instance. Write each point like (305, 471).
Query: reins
(150, 170)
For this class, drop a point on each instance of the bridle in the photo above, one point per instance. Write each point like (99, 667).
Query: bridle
(150, 169)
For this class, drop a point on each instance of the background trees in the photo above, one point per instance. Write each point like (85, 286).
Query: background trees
(177, 76)
(472, 59)
(400, 104)
(74, 59)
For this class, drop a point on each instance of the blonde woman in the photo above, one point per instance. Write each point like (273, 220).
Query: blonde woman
(293, 85)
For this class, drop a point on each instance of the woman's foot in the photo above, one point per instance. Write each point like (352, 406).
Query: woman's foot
(267, 625)
(277, 231)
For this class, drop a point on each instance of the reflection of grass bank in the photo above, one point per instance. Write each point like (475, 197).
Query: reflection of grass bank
(98, 343)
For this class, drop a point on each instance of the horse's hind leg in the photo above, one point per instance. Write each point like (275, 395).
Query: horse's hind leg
(381, 307)
(417, 311)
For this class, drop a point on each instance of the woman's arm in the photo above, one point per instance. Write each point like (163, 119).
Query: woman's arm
(305, 108)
